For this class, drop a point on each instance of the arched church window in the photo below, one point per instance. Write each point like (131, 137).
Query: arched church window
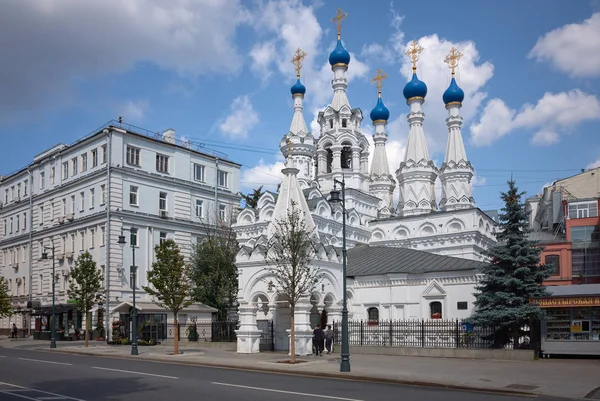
(330, 123)
(435, 308)
(329, 160)
(344, 123)
(346, 161)
(373, 315)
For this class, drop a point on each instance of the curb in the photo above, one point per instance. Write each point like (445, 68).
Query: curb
(339, 376)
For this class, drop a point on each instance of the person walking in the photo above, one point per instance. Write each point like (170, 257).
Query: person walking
(319, 337)
(14, 331)
(328, 338)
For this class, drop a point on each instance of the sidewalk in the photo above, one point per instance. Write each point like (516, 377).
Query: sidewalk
(573, 379)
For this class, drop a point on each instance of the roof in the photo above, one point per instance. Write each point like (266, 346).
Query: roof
(576, 289)
(368, 260)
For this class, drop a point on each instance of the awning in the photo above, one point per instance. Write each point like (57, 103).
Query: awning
(47, 310)
(150, 307)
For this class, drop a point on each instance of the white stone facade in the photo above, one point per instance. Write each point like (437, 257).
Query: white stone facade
(79, 196)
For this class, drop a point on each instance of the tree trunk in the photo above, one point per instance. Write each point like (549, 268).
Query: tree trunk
(292, 339)
(176, 342)
(87, 327)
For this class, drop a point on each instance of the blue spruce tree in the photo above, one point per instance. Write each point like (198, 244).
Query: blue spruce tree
(513, 276)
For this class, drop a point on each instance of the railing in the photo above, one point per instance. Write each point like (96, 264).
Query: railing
(435, 333)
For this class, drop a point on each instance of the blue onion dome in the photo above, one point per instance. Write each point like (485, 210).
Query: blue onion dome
(380, 112)
(453, 94)
(414, 88)
(339, 55)
(298, 88)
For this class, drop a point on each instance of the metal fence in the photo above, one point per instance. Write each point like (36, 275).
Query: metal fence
(207, 331)
(435, 333)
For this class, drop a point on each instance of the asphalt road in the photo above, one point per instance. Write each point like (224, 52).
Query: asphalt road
(38, 375)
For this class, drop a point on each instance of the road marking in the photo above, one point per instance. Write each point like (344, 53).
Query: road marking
(2, 356)
(286, 392)
(39, 360)
(16, 389)
(135, 373)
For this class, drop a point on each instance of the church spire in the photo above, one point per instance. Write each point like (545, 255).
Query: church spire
(382, 184)
(339, 60)
(456, 172)
(417, 173)
(298, 146)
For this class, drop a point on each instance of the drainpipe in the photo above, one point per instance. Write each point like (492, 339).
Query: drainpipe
(30, 184)
(107, 237)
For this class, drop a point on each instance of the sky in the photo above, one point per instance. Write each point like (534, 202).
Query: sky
(218, 72)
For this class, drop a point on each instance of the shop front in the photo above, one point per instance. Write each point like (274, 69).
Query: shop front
(65, 316)
(572, 323)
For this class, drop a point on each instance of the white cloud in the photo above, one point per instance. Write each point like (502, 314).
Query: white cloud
(594, 164)
(241, 119)
(133, 110)
(554, 113)
(74, 39)
(572, 48)
(545, 138)
(478, 181)
(266, 174)
(262, 54)
(377, 53)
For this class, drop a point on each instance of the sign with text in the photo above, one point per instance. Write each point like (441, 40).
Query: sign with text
(566, 302)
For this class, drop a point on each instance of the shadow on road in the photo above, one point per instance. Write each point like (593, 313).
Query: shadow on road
(101, 388)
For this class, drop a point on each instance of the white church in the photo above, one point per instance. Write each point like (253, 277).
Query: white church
(418, 259)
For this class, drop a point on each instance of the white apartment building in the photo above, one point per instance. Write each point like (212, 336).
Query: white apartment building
(78, 197)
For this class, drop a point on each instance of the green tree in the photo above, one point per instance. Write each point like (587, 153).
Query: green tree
(252, 198)
(170, 284)
(5, 299)
(513, 276)
(85, 287)
(289, 260)
(214, 272)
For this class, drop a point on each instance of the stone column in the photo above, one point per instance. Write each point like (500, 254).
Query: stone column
(337, 158)
(334, 314)
(248, 335)
(321, 161)
(303, 331)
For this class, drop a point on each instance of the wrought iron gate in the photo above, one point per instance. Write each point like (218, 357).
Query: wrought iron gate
(267, 342)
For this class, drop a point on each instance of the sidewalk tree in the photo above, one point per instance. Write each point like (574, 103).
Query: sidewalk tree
(213, 270)
(5, 299)
(289, 261)
(252, 198)
(85, 287)
(513, 276)
(169, 281)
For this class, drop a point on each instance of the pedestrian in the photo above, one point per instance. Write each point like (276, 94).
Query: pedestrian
(14, 331)
(328, 338)
(318, 337)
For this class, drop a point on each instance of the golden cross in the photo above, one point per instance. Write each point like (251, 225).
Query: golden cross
(452, 59)
(338, 20)
(297, 60)
(378, 80)
(413, 53)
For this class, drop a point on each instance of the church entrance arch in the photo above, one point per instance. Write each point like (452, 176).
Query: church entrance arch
(281, 323)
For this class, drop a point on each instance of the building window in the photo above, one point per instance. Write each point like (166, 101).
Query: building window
(133, 277)
(41, 214)
(330, 123)
(17, 221)
(74, 166)
(162, 201)
(25, 186)
(82, 240)
(82, 201)
(102, 194)
(223, 212)
(583, 210)
(585, 262)
(223, 179)
(199, 172)
(585, 234)
(18, 190)
(462, 305)
(92, 196)
(42, 180)
(373, 315)
(133, 195)
(104, 154)
(84, 162)
(94, 158)
(162, 237)
(133, 156)
(24, 221)
(133, 237)
(102, 236)
(6, 196)
(65, 170)
(435, 309)
(72, 242)
(52, 175)
(344, 123)
(199, 205)
(72, 203)
(64, 207)
(11, 226)
(162, 163)
(554, 261)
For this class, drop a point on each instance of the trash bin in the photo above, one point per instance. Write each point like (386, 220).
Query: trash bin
(22, 333)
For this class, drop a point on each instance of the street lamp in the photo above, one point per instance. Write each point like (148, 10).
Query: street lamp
(133, 280)
(335, 198)
(53, 323)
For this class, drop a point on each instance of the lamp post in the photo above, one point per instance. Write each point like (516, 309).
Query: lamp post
(53, 323)
(335, 198)
(133, 280)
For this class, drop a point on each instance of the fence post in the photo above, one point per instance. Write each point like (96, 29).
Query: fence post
(391, 333)
(457, 334)
(422, 332)
(362, 332)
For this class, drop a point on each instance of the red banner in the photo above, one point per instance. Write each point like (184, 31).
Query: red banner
(565, 302)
